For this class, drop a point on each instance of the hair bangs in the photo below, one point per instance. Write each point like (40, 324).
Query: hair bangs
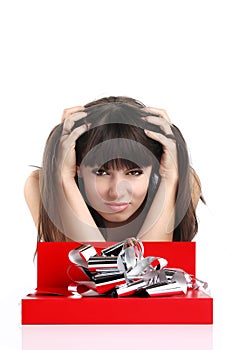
(118, 153)
(120, 163)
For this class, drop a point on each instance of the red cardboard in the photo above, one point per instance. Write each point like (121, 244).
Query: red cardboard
(53, 265)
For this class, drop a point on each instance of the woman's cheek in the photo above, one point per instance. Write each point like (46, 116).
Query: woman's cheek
(140, 189)
(94, 190)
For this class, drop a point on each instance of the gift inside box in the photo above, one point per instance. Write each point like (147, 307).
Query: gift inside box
(51, 303)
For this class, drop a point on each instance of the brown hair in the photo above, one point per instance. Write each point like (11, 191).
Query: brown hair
(118, 118)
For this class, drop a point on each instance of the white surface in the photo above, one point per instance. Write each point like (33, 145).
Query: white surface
(171, 54)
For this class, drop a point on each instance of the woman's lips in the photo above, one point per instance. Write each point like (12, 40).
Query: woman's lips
(117, 206)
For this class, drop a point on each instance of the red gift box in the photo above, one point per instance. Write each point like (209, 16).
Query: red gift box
(52, 303)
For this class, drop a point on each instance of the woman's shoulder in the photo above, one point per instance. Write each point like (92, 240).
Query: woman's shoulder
(31, 181)
(32, 194)
(195, 187)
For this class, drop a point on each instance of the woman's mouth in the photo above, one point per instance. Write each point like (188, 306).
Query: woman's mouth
(118, 206)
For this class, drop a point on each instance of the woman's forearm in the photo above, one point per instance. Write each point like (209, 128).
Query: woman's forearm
(159, 222)
(77, 221)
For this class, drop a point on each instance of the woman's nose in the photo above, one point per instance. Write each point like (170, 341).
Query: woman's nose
(118, 188)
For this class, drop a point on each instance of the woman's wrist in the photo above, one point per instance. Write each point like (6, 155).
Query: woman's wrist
(171, 181)
(67, 175)
(68, 183)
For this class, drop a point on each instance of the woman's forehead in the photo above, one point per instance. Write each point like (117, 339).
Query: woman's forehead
(115, 153)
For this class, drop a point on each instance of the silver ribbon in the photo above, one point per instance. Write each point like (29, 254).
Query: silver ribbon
(132, 274)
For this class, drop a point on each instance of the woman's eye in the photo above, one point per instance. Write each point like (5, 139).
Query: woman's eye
(135, 172)
(99, 172)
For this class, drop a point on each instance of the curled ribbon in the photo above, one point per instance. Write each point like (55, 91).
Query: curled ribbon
(122, 270)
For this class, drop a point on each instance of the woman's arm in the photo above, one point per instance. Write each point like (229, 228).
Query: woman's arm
(195, 188)
(160, 219)
(159, 222)
(77, 221)
(76, 218)
(32, 194)
(31, 186)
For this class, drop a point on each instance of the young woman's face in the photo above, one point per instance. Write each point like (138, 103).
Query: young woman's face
(115, 194)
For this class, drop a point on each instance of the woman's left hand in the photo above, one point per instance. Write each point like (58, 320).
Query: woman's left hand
(168, 164)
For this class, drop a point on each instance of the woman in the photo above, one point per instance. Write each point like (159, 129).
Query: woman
(114, 169)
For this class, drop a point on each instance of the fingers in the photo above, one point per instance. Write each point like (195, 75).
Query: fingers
(69, 137)
(67, 148)
(75, 134)
(163, 139)
(69, 122)
(168, 163)
(161, 122)
(158, 111)
(68, 111)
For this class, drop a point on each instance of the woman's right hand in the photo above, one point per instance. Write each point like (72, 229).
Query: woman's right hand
(66, 152)
(69, 111)
(77, 221)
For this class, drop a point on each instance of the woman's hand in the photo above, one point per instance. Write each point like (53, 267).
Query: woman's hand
(77, 221)
(68, 138)
(168, 164)
(69, 111)
(159, 222)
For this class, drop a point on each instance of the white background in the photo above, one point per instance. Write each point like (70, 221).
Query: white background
(170, 54)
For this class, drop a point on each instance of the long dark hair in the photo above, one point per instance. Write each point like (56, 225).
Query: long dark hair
(118, 119)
